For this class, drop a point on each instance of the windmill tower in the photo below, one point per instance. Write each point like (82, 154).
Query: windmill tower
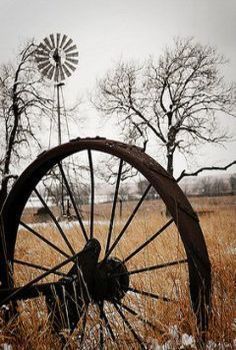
(57, 58)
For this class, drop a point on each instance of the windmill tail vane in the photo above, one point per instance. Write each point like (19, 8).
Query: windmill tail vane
(57, 57)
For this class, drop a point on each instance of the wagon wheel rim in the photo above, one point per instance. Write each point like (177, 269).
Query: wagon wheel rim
(199, 268)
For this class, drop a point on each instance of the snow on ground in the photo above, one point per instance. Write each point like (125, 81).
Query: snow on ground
(186, 341)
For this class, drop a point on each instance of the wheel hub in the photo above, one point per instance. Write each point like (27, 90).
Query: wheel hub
(111, 280)
(86, 281)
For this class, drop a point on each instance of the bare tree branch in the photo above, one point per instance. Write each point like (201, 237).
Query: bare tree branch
(195, 173)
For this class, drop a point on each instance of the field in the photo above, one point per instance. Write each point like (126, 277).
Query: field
(173, 323)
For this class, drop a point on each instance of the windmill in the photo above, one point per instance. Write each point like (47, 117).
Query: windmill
(57, 58)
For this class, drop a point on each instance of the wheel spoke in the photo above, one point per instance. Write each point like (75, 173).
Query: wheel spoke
(136, 336)
(55, 221)
(39, 278)
(149, 294)
(113, 211)
(92, 193)
(73, 201)
(39, 267)
(133, 312)
(153, 267)
(104, 317)
(101, 336)
(128, 222)
(142, 246)
(45, 240)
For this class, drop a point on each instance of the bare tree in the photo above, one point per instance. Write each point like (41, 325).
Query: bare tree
(233, 183)
(176, 99)
(22, 103)
(142, 185)
(219, 187)
(124, 192)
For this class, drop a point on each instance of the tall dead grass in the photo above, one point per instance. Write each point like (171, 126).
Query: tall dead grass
(31, 330)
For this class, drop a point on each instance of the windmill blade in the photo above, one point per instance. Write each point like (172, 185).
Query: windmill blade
(61, 72)
(73, 68)
(40, 54)
(50, 72)
(72, 54)
(43, 65)
(53, 41)
(68, 73)
(45, 71)
(67, 44)
(63, 40)
(58, 39)
(48, 44)
(43, 48)
(71, 60)
(41, 59)
(74, 47)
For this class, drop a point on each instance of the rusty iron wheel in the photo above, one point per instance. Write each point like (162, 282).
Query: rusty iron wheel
(91, 266)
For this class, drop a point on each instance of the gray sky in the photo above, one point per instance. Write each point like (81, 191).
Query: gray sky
(107, 30)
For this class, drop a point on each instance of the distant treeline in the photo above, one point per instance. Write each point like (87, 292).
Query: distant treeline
(210, 186)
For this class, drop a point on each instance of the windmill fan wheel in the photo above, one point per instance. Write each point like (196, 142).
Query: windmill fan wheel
(98, 270)
(57, 57)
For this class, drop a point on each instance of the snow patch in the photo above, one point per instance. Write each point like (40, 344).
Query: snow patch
(185, 341)
(6, 346)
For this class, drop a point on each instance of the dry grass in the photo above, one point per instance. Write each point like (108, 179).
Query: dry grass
(31, 329)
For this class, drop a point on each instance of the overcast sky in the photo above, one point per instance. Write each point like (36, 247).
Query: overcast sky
(107, 30)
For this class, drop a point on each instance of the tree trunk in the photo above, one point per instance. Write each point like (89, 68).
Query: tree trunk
(3, 192)
(171, 140)
(170, 159)
(170, 169)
